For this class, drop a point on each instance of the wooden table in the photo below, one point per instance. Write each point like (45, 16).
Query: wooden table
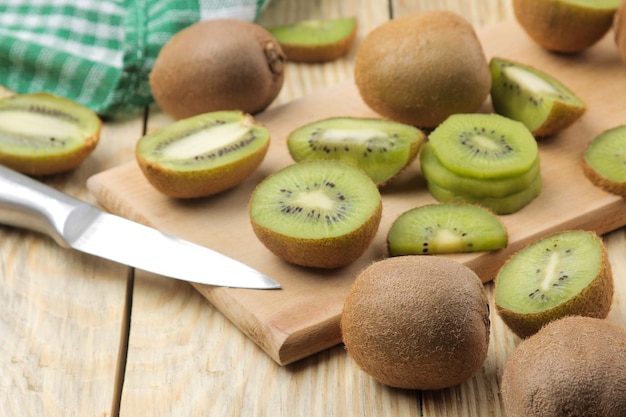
(87, 337)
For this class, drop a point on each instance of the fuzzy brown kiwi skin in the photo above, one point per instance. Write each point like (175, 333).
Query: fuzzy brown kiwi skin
(594, 301)
(327, 253)
(213, 65)
(619, 30)
(417, 322)
(575, 366)
(562, 28)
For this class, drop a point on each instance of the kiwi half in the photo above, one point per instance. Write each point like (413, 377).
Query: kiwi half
(544, 104)
(566, 273)
(484, 159)
(203, 155)
(316, 40)
(446, 228)
(575, 366)
(379, 147)
(320, 214)
(44, 134)
(604, 161)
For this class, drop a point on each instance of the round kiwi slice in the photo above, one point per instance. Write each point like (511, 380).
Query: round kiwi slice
(575, 366)
(537, 99)
(316, 40)
(417, 322)
(604, 161)
(446, 228)
(381, 148)
(566, 26)
(320, 214)
(566, 273)
(436, 173)
(44, 134)
(203, 155)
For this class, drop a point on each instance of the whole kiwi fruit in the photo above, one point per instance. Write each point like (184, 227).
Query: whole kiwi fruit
(421, 68)
(214, 65)
(417, 322)
(574, 366)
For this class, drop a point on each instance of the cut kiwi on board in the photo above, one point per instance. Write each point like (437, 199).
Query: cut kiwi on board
(321, 214)
(44, 134)
(604, 161)
(203, 155)
(537, 99)
(566, 273)
(380, 147)
(484, 159)
(316, 40)
(446, 228)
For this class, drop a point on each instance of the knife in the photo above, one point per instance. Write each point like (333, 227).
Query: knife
(75, 224)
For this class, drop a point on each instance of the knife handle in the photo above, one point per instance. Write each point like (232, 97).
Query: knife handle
(30, 204)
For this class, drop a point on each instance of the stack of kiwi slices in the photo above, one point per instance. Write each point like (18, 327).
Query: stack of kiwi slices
(204, 154)
(321, 214)
(566, 273)
(604, 161)
(381, 148)
(484, 159)
(44, 134)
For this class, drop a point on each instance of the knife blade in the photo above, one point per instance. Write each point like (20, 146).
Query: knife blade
(75, 224)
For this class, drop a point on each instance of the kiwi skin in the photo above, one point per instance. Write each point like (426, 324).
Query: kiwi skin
(594, 301)
(421, 68)
(221, 64)
(417, 322)
(619, 30)
(575, 366)
(563, 26)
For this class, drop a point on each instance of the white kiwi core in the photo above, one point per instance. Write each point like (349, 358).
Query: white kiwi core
(529, 80)
(205, 141)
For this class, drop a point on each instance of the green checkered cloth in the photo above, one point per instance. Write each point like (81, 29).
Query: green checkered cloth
(98, 52)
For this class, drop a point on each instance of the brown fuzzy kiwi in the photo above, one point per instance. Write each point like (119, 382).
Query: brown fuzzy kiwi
(619, 30)
(214, 65)
(566, 26)
(575, 366)
(421, 68)
(417, 322)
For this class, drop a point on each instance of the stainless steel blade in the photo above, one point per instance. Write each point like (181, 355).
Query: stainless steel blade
(75, 224)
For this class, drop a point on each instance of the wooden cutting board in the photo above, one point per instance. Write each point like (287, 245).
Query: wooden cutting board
(303, 317)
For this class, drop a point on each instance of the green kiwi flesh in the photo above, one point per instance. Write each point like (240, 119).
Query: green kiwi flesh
(446, 228)
(537, 99)
(44, 134)
(604, 161)
(204, 154)
(320, 214)
(381, 148)
(436, 173)
(566, 273)
(316, 40)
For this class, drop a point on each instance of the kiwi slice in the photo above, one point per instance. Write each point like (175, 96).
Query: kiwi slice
(316, 40)
(381, 148)
(604, 161)
(446, 228)
(537, 99)
(203, 155)
(566, 273)
(44, 134)
(436, 173)
(484, 146)
(316, 213)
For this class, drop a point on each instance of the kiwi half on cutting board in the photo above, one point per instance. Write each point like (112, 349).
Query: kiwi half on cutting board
(604, 161)
(379, 147)
(320, 214)
(316, 40)
(537, 99)
(566, 273)
(446, 228)
(44, 134)
(203, 155)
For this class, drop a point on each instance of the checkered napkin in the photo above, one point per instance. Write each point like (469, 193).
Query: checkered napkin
(97, 52)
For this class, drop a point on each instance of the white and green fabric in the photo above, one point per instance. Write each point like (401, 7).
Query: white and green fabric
(97, 52)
